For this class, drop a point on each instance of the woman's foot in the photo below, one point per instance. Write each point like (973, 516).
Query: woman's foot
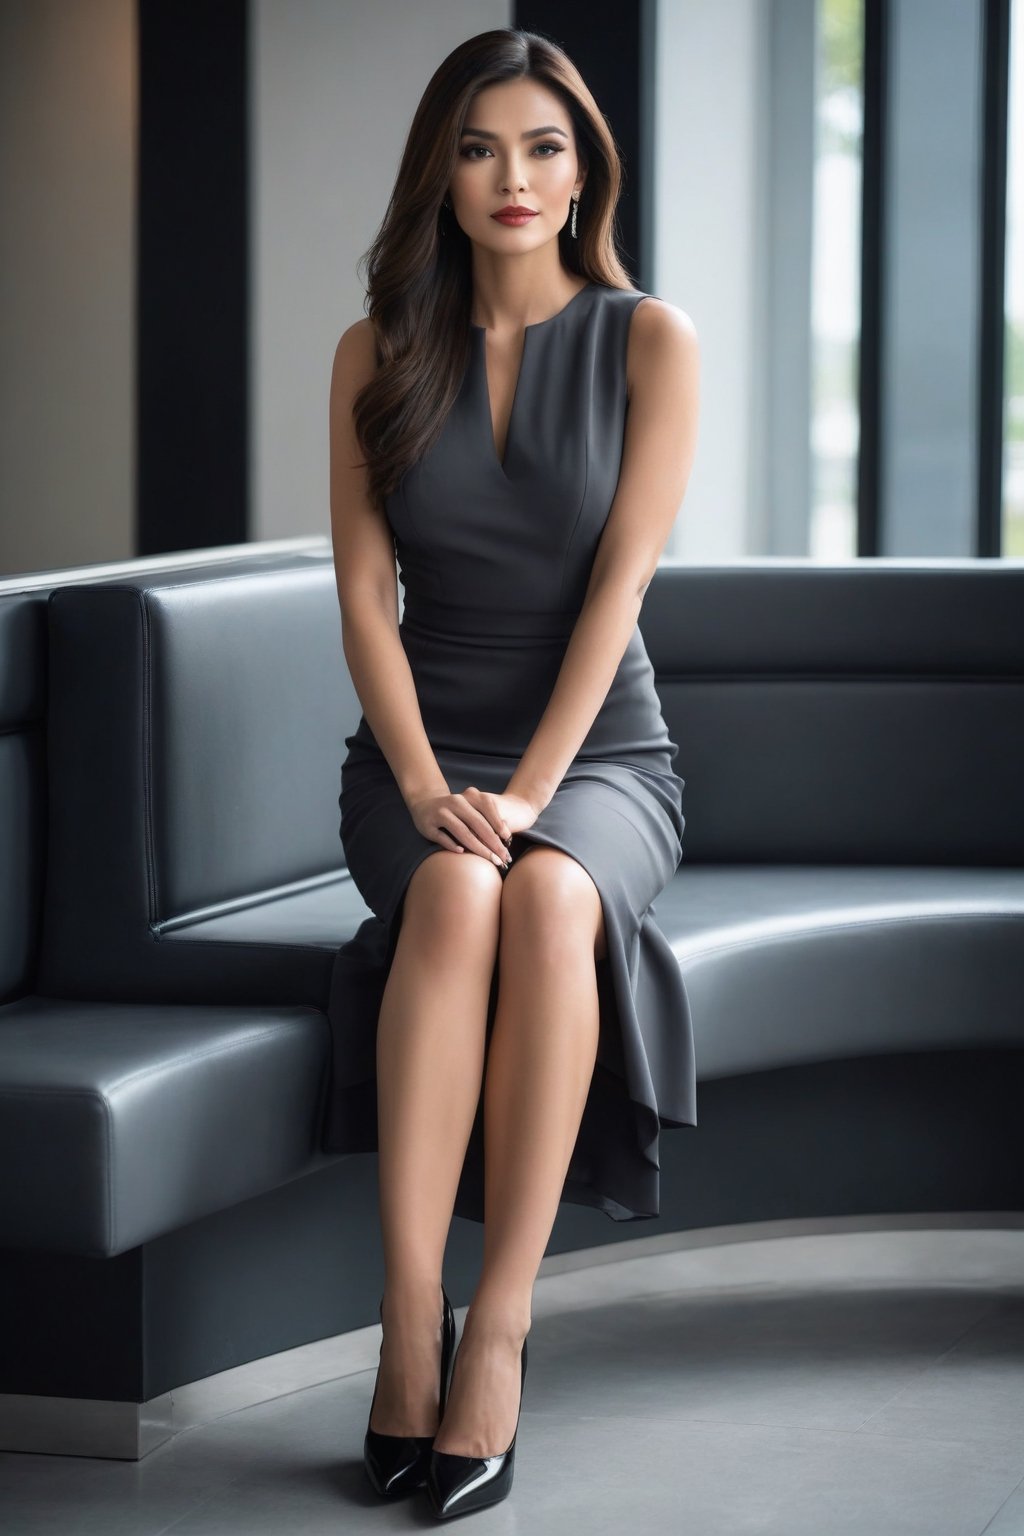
(409, 1374)
(483, 1401)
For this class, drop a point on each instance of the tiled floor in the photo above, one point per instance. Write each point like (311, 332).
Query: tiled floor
(863, 1383)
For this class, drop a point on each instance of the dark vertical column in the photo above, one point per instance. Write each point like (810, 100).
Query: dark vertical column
(193, 275)
(647, 136)
(995, 106)
(611, 45)
(870, 402)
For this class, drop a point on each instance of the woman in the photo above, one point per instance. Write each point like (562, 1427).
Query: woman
(517, 423)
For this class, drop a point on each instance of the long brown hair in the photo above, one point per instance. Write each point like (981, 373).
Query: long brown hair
(419, 270)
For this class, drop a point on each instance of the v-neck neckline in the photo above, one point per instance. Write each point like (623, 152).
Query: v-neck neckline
(480, 333)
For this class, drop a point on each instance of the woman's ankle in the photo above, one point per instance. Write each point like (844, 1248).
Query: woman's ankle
(494, 1318)
(412, 1299)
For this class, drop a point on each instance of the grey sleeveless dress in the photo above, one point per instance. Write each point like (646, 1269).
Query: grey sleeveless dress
(494, 562)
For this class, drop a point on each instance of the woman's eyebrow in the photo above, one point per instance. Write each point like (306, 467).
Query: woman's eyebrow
(531, 133)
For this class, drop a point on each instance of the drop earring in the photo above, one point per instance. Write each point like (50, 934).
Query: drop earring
(575, 205)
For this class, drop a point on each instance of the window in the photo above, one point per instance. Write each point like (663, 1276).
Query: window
(835, 280)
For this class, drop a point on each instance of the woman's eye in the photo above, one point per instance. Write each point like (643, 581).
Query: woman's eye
(468, 152)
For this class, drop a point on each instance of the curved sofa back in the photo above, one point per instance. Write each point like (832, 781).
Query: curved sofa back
(867, 713)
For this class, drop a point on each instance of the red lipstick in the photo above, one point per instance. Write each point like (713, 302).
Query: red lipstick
(514, 213)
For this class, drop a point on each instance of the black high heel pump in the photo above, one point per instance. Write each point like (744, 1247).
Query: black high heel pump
(458, 1484)
(396, 1464)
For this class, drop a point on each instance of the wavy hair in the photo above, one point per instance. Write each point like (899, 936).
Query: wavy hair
(418, 270)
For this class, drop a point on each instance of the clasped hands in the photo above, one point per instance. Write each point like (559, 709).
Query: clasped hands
(474, 821)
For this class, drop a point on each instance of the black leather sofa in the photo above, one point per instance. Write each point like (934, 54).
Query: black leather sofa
(849, 917)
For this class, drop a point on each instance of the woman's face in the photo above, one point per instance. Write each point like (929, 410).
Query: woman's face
(503, 160)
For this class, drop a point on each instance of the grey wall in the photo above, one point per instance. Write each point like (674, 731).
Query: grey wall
(67, 169)
(710, 246)
(733, 216)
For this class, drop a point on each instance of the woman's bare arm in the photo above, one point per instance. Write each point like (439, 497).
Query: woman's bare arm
(364, 566)
(663, 367)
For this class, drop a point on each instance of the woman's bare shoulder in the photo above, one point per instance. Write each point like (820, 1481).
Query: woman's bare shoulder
(655, 320)
(660, 334)
(357, 346)
(355, 358)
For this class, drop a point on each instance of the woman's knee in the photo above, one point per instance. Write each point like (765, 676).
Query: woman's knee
(454, 895)
(548, 895)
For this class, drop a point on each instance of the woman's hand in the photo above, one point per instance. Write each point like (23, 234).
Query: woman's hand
(474, 821)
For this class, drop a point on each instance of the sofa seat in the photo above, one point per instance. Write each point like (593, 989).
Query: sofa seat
(163, 1113)
(285, 939)
(120, 1122)
(788, 964)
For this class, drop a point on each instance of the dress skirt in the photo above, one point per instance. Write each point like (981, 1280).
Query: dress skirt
(617, 812)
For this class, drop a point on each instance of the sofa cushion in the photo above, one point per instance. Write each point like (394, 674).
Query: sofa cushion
(196, 728)
(796, 964)
(867, 712)
(121, 1122)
